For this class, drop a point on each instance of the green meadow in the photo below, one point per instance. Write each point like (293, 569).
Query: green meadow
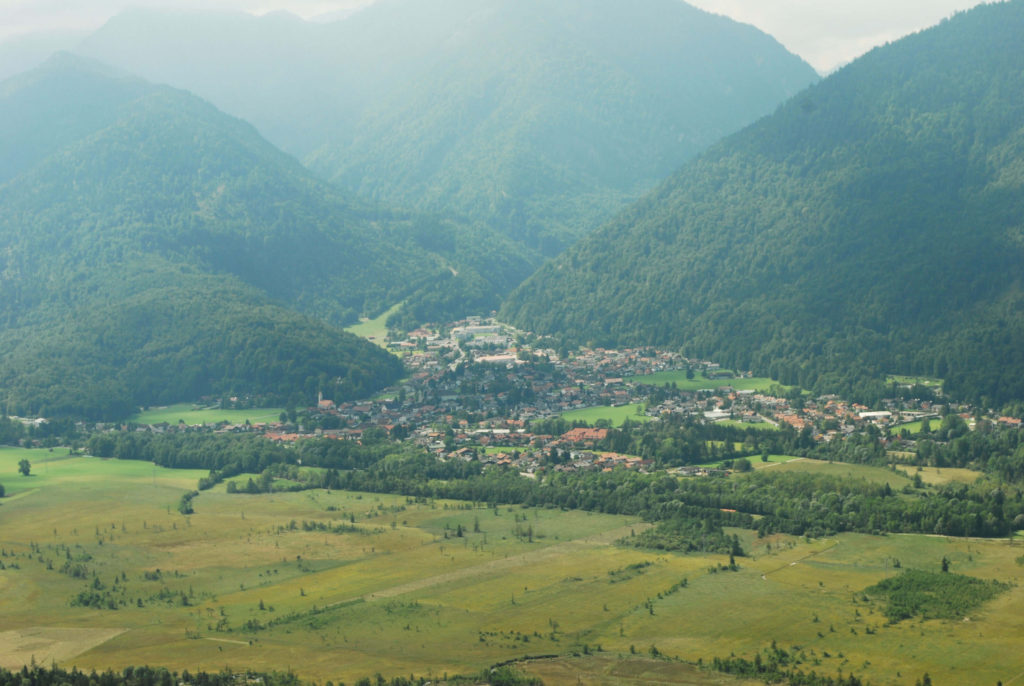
(192, 415)
(375, 329)
(498, 450)
(880, 475)
(616, 415)
(758, 463)
(700, 382)
(914, 428)
(761, 426)
(100, 570)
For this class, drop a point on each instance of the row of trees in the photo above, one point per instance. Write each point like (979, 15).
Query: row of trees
(795, 503)
(37, 675)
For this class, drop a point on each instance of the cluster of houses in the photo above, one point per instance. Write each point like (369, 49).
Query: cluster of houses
(474, 391)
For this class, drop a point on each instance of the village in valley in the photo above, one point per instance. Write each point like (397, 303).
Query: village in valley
(481, 390)
(666, 485)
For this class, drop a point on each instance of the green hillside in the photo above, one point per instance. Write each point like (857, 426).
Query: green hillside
(870, 226)
(538, 118)
(169, 252)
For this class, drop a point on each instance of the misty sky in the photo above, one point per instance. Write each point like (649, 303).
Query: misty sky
(826, 33)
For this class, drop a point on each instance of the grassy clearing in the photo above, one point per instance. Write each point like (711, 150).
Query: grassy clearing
(755, 461)
(497, 450)
(878, 475)
(193, 415)
(700, 382)
(616, 415)
(941, 475)
(914, 380)
(399, 591)
(376, 329)
(761, 426)
(915, 427)
(772, 460)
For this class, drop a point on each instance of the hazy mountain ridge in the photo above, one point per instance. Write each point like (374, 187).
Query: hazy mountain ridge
(871, 225)
(538, 118)
(186, 178)
(22, 53)
(274, 71)
(543, 117)
(143, 243)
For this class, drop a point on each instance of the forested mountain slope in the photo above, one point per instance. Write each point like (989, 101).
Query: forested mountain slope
(154, 249)
(871, 225)
(539, 118)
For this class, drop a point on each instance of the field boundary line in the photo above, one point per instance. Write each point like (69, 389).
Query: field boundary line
(835, 542)
(520, 560)
(23, 494)
(226, 640)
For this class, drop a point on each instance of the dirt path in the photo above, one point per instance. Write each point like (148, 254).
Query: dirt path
(1014, 679)
(19, 496)
(776, 464)
(796, 562)
(226, 640)
(492, 566)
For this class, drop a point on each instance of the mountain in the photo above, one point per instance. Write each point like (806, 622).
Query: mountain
(154, 249)
(538, 118)
(544, 117)
(872, 225)
(276, 71)
(21, 53)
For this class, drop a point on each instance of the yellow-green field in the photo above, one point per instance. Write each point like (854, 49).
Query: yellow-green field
(403, 593)
(617, 415)
(192, 415)
(941, 475)
(879, 475)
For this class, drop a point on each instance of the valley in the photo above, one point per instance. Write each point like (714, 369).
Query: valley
(509, 343)
(333, 583)
(437, 586)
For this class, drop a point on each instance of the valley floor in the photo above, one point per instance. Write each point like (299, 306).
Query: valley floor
(337, 585)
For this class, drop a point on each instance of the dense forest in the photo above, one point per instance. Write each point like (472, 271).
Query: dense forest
(870, 226)
(540, 119)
